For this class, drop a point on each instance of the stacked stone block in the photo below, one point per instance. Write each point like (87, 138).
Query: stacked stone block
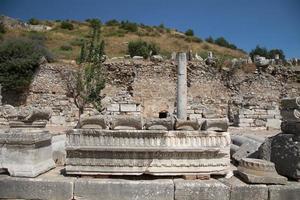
(124, 108)
(259, 117)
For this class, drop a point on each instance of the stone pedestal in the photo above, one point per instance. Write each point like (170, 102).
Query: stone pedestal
(26, 152)
(136, 152)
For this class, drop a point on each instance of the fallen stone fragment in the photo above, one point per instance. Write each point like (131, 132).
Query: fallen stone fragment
(220, 125)
(259, 171)
(249, 149)
(284, 151)
(159, 124)
(97, 121)
(127, 123)
(187, 125)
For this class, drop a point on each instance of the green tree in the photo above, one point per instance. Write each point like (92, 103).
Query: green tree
(19, 58)
(112, 22)
(261, 51)
(189, 32)
(273, 52)
(129, 26)
(210, 40)
(86, 84)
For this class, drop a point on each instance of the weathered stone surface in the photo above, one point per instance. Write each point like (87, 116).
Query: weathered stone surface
(135, 152)
(247, 150)
(215, 125)
(204, 189)
(47, 187)
(116, 189)
(290, 191)
(113, 107)
(259, 171)
(273, 123)
(242, 191)
(187, 125)
(284, 151)
(26, 153)
(128, 107)
(59, 149)
(290, 103)
(127, 123)
(289, 127)
(159, 124)
(96, 121)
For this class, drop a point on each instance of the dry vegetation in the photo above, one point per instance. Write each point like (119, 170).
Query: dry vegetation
(116, 40)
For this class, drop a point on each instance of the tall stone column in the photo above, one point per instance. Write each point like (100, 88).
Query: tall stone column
(182, 87)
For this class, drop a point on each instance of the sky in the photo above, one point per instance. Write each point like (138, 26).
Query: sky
(245, 23)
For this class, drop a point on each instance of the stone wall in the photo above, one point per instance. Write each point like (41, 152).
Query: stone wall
(148, 88)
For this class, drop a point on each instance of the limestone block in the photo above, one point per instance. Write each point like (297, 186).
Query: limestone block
(128, 107)
(126, 122)
(159, 124)
(205, 189)
(26, 153)
(220, 124)
(259, 171)
(48, 188)
(284, 192)
(260, 122)
(115, 107)
(59, 149)
(273, 123)
(195, 116)
(273, 112)
(284, 151)
(58, 120)
(117, 189)
(245, 121)
(242, 191)
(96, 121)
(247, 150)
(187, 125)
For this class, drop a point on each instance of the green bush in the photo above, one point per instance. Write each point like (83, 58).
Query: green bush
(221, 41)
(19, 58)
(94, 23)
(270, 54)
(33, 21)
(2, 28)
(38, 36)
(189, 32)
(129, 26)
(66, 47)
(78, 42)
(142, 48)
(193, 39)
(210, 40)
(112, 22)
(66, 25)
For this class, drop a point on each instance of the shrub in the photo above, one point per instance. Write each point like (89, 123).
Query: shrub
(19, 58)
(37, 36)
(210, 40)
(221, 41)
(66, 25)
(66, 47)
(270, 54)
(2, 28)
(129, 26)
(112, 22)
(94, 23)
(142, 48)
(189, 32)
(33, 21)
(193, 39)
(78, 42)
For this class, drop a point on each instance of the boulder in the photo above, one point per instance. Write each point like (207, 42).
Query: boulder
(157, 58)
(284, 151)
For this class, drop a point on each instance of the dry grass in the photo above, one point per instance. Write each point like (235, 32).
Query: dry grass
(117, 39)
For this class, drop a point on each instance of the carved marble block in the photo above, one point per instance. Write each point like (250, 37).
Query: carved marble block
(156, 152)
(26, 152)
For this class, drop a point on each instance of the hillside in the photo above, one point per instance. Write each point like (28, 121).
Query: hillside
(65, 44)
